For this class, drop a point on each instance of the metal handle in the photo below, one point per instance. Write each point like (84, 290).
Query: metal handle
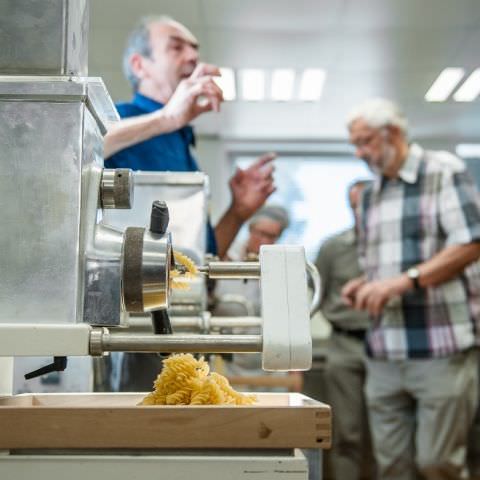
(317, 287)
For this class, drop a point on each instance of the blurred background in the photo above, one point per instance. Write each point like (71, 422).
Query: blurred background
(294, 70)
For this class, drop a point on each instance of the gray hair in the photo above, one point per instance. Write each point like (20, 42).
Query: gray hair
(274, 213)
(378, 113)
(139, 42)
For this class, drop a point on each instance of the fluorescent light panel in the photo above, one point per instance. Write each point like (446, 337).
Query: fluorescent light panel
(283, 80)
(311, 85)
(444, 85)
(468, 150)
(253, 84)
(227, 83)
(470, 89)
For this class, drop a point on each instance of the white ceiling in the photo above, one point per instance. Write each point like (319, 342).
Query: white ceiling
(393, 48)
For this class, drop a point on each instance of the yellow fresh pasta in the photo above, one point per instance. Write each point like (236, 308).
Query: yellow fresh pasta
(185, 380)
(186, 262)
(177, 279)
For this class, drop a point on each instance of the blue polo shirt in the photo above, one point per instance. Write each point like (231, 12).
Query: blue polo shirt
(167, 152)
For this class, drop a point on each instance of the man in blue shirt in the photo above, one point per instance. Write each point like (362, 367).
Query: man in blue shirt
(170, 89)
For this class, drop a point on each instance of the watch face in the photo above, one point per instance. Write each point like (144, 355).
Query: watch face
(413, 273)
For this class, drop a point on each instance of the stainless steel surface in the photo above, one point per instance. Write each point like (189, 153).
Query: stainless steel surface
(41, 159)
(47, 37)
(100, 245)
(312, 272)
(186, 195)
(63, 89)
(117, 188)
(60, 264)
(157, 253)
(96, 337)
(198, 323)
(118, 342)
(100, 104)
(232, 270)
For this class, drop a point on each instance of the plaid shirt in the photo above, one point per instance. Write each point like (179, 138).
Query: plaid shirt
(433, 204)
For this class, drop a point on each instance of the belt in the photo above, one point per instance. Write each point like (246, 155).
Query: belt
(359, 333)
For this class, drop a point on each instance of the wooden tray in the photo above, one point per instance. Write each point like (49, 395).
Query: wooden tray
(113, 420)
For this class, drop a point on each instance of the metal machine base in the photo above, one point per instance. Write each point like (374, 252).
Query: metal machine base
(231, 465)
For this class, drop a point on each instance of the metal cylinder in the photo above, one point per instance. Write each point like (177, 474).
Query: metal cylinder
(232, 270)
(195, 323)
(157, 253)
(178, 343)
(146, 267)
(117, 188)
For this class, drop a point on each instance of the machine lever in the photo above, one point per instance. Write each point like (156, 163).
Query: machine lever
(161, 322)
(159, 217)
(59, 365)
(161, 325)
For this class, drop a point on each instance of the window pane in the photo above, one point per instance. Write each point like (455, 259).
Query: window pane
(314, 191)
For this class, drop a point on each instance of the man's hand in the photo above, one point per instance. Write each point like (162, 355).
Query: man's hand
(194, 95)
(251, 187)
(373, 296)
(350, 289)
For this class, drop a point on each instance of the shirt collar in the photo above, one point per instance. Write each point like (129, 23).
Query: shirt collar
(145, 103)
(409, 171)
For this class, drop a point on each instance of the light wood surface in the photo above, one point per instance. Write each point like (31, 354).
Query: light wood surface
(102, 421)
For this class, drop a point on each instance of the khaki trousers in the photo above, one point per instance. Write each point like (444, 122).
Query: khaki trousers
(420, 413)
(350, 457)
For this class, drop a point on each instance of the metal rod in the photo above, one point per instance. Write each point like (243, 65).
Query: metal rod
(235, 270)
(181, 343)
(234, 322)
(195, 322)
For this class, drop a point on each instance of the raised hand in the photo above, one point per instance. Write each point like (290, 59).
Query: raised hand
(195, 95)
(251, 187)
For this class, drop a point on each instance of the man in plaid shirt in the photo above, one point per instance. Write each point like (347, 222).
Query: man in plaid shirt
(419, 229)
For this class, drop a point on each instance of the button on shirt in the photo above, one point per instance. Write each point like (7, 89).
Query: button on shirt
(405, 221)
(166, 152)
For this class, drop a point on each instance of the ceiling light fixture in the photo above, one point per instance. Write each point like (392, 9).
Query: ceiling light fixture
(311, 85)
(283, 80)
(227, 83)
(444, 85)
(470, 89)
(253, 84)
(468, 150)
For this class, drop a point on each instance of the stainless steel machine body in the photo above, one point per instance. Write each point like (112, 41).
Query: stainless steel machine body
(186, 194)
(51, 136)
(44, 38)
(61, 263)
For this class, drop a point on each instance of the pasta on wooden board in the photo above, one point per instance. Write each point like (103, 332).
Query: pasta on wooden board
(185, 380)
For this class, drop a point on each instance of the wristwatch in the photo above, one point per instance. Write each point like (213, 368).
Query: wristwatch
(414, 275)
